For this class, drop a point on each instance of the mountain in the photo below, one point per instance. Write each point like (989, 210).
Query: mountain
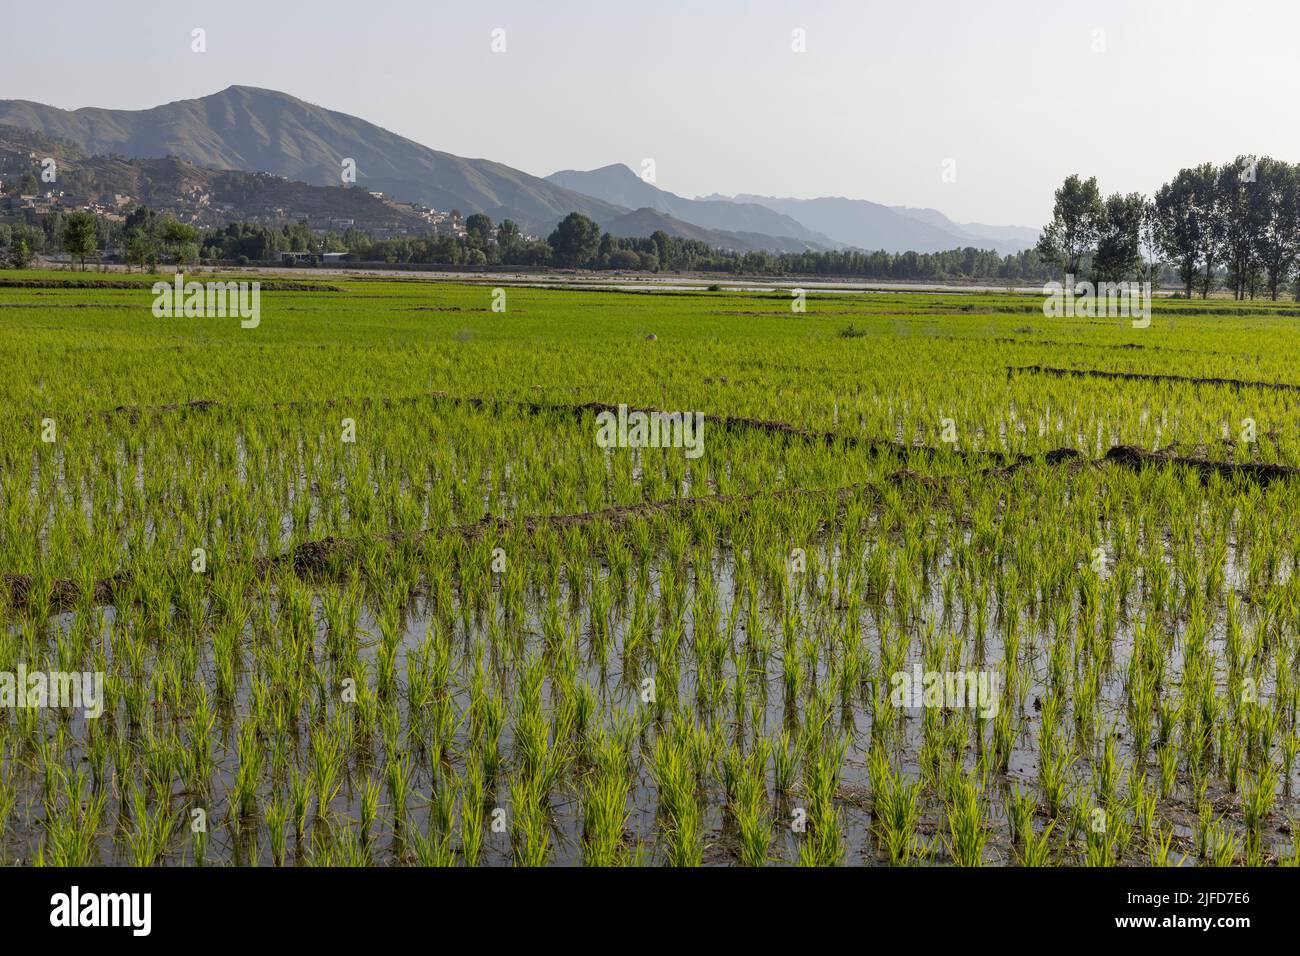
(27, 145)
(872, 226)
(1026, 235)
(254, 130)
(645, 221)
(860, 223)
(203, 196)
(1003, 238)
(257, 130)
(619, 185)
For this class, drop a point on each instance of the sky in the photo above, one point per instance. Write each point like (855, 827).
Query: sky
(978, 109)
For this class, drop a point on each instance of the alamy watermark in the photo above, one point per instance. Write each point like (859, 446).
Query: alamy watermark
(916, 688)
(129, 910)
(209, 300)
(1104, 300)
(638, 429)
(82, 690)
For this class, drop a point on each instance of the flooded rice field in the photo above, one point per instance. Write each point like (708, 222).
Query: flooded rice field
(298, 599)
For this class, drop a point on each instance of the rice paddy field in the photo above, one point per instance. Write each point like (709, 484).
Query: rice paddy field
(365, 589)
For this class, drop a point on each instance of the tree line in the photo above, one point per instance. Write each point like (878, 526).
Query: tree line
(578, 242)
(144, 238)
(1234, 225)
(147, 238)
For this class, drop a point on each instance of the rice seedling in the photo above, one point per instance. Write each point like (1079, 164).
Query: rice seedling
(897, 814)
(605, 808)
(370, 793)
(277, 819)
(634, 647)
(967, 835)
(1035, 850)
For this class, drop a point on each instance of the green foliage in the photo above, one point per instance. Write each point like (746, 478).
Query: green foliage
(644, 673)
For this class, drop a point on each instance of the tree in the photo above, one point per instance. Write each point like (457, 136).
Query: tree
(20, 254)
(1234, 225)
(140, 219)
(574, 241)
(1275, 201)
(1150, 244)
(140, 250)
(52, 227)
(1182, 224)
(624, 259)
(79, 235)
(1076, 224)
(1207, 198)
(177, 236)
(534, 253)
(478, 229)
(1119, 252)
(663, 246)
(507, 235)
(606, 248)
(185, 253)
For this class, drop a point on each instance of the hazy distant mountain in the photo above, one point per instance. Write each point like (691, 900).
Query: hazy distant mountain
(252, 129)
(1003, 238)
(1021, 234)
(872, 226)
(644, 222)
(619, 185)
(860, 223)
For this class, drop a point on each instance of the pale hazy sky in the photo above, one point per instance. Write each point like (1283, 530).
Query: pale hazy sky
(1011, 90)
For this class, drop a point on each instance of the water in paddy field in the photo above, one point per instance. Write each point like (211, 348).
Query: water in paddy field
(616, 650)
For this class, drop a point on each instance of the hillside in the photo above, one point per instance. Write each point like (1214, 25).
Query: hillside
(257, 130)
(619, 185)
(204, 196)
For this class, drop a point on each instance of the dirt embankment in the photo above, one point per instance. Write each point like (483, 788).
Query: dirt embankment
(1145, 377)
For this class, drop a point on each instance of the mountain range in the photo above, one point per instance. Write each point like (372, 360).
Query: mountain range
(619, 185)
(824, 223)
(254, 130)
(258, 130)
(869, 225)
(207, 197)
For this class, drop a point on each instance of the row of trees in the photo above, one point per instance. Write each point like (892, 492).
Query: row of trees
(252, 242)
(143, 237)
(1235, 225)
(577, 242)
(77, 234)
(147, 236)
(1104, 237)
